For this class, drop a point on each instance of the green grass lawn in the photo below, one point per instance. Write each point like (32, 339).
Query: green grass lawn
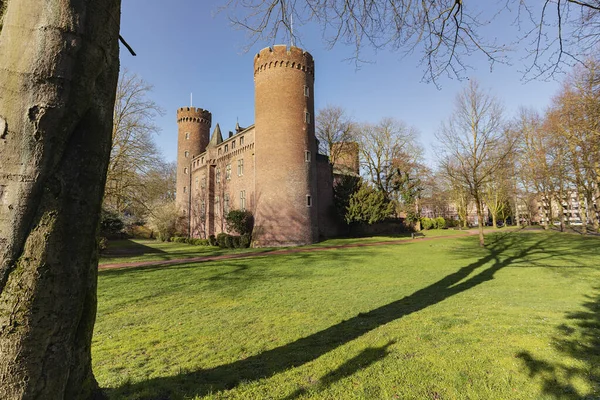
(134, 250)
(442, 319)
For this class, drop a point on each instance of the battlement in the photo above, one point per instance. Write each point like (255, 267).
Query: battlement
(283, 56)
(193, 114)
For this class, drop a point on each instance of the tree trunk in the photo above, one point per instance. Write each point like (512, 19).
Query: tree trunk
(583, 214)
(494, 221)
(58, 75)
(517, 216)
(480, 221)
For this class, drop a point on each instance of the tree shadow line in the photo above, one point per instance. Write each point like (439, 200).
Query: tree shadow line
(309, 348)
(579, 340)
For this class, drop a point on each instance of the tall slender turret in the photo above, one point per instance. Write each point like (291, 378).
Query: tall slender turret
(192, 139)
(285, 155)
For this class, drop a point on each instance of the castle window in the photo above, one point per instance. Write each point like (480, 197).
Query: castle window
(204, 181)
(233, 145)
(187, 135)
(202, 160)
(307, 117)
(185, 170)
(228, 172)
(306, 91)
(185, 189)
(217, 204)
(186, 154)
(226, 148)
(218, 175)
(220, 150)
(241, 167)
(243, 200)
(308, 200)
(197, 182)
(307, 156)
(226, 202)
(241, 140)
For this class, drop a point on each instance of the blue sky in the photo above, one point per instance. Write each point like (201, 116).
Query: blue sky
(185, 46)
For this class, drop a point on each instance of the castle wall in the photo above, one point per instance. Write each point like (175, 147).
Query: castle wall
(328, 225)
(286, 174)
(225, 194)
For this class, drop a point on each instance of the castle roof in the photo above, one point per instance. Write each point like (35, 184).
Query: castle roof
(216, 138)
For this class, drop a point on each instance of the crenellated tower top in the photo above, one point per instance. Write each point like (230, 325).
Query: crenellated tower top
(193, 114)
(282, 56)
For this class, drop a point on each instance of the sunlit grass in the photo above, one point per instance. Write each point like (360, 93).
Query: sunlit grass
(440, 319)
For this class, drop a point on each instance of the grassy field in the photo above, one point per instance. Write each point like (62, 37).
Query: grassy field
(134, 250)
(440, 319)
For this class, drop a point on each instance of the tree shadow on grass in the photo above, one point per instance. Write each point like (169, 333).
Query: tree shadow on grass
(309, 348)
(578, 340)
(364, 359)
(128, 248)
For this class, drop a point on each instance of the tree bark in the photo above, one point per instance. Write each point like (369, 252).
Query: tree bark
(58, 74)
(480, 220)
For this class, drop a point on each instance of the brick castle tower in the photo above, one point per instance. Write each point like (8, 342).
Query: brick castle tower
(285, 148)
(192, 139)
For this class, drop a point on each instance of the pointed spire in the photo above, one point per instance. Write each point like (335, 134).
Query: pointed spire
(216, 138)
(238, 128)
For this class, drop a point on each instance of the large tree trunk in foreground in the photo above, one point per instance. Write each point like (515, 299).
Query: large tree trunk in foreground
(58, 74)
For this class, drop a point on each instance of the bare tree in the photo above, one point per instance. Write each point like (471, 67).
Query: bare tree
(385, 147)
(332, 126)
(133, 153)
(474, 143)
(59, 68)
(576, 113)
(444, 33)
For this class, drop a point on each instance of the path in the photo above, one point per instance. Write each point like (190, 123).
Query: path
(269, 252)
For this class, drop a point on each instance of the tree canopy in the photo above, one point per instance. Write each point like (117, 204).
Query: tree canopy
(444, 34)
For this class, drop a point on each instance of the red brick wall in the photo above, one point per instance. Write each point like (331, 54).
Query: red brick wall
(196, 122)
(284, 178)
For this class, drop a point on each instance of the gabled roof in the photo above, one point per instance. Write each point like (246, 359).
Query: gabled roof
(216, 138)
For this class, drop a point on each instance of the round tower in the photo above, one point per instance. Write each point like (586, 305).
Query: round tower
(285, 148)
(192, 138)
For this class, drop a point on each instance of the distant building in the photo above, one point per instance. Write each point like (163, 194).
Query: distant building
(271, 168)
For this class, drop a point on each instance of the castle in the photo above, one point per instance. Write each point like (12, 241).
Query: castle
(271, 168)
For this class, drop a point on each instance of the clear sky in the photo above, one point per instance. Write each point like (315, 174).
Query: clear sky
(185, 46)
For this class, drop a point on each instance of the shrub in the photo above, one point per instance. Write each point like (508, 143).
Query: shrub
(229, 241)
(240, 221)
(221, 240)
(245, 241)
(212, 240)
(179, 239)
(163, 219)
(102, 243)
(440, 223)
(110, 223)
(426, 223)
